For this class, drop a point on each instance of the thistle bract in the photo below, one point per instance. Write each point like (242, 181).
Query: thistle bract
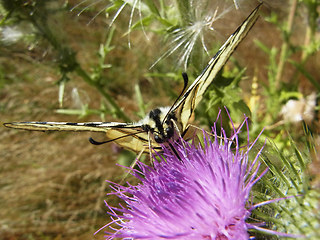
(194, 192)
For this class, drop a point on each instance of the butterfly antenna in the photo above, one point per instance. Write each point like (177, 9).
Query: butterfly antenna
(185, 84)
(94, 142)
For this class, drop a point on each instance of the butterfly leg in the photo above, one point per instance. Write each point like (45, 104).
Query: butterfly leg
(139, 156)
(150, 149)
(178, 131)
(187, 135)
(133, 164)
(192, 129)
(190, 133)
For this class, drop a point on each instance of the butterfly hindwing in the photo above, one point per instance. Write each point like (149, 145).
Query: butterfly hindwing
(132, 139)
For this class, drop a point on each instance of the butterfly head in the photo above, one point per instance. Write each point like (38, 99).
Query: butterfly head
(160, 124)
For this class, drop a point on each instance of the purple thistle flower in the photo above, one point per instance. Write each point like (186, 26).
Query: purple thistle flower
(198, 192)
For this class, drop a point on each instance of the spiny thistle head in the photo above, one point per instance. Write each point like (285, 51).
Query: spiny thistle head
(194, 192)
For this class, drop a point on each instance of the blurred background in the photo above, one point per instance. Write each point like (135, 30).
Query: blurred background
(99, 60)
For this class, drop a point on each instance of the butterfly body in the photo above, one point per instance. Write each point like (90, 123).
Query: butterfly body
(161, 124)
(158, 123)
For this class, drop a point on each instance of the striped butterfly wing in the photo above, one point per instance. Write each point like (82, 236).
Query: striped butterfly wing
(193, 95)
(128, 135)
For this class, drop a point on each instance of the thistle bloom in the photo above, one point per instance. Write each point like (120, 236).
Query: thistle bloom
(192, 193)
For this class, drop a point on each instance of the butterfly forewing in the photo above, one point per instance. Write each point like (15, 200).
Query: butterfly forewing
(194, 93)
(127, 135)
(68, 126)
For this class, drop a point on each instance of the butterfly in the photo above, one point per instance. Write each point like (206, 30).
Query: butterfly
(161, 124)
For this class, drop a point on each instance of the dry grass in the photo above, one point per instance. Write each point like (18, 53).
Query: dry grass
(52, 185)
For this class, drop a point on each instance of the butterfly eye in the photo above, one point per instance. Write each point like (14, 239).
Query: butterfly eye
(169, 132)
(158, 139)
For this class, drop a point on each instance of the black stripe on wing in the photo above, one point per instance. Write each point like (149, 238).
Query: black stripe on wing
(70, 126)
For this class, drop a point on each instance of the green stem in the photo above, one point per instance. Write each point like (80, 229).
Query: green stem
(184, 9)
(285, 45)
(67, 53)
(309, 39)
(88, 80)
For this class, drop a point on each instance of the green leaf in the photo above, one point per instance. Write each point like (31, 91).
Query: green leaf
(153, 8)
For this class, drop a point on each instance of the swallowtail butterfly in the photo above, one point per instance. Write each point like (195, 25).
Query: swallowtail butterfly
(161, 124)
